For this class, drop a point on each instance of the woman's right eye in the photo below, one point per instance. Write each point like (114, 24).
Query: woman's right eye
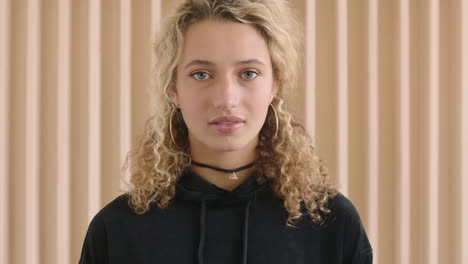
(201, 75)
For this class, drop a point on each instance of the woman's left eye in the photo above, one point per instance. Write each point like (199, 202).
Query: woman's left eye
(249, 75)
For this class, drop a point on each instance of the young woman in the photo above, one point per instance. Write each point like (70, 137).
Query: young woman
(223, 174)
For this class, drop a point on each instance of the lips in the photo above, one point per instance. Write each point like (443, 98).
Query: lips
(226, 119)
(227, 124)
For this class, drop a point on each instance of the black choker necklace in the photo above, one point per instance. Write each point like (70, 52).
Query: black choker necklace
(232, 177)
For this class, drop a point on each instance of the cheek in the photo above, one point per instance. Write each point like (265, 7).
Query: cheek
(192, 107)
(191, 100)
(262, 97)
(258, 105)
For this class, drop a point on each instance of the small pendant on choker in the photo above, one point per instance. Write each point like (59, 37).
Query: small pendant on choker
(233, 176)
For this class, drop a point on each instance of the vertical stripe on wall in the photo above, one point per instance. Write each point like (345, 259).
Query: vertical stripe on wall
(32, 132)
(404, 183)
(342, 100)
(63, 131)
(156, 7)
(94, 174)
(433, 130)
(4, 127)
(310, 91)
(125, 83)
(373, 126)
(463, 176)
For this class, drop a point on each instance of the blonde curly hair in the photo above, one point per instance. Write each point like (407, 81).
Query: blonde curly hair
(288, 161)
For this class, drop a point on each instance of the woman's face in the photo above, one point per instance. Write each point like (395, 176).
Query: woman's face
(224, 85)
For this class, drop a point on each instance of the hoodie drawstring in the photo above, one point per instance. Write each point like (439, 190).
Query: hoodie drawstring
(246, 232)
(245, 237)
(201, 244)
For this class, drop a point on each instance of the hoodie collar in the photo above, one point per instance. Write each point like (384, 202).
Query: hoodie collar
(193, 187)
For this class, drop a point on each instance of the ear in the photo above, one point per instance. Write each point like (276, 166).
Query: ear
(174, 96)
(274, 90)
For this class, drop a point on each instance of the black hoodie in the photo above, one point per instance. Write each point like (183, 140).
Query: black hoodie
(208, 225)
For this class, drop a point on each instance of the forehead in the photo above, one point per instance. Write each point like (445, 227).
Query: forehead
(223, 42)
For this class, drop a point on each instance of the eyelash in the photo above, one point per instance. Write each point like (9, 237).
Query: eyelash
(198, 72)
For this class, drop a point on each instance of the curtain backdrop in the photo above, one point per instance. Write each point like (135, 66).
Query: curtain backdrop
(384, 92)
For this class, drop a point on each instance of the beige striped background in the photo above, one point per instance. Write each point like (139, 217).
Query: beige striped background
(384, 91)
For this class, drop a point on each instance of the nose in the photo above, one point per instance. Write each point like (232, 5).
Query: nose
(226, 93)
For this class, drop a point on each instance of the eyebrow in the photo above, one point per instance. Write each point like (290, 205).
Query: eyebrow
(209, 63)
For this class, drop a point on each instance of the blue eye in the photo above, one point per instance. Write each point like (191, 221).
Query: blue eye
(250, 75)
(201, 75)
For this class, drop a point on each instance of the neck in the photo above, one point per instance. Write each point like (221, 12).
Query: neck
(222, 179)
(225, 160)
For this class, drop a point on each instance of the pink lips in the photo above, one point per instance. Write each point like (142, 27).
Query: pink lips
(227, 124)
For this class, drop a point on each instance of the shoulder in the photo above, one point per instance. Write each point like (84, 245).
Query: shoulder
(341, 208)
(114, 209)
(343, 214)
(344, 222)
(117, 207)
(94, 248)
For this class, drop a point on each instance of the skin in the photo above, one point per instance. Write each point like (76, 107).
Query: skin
(224, 70)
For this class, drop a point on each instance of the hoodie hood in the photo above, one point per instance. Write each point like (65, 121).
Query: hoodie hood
(193, 188)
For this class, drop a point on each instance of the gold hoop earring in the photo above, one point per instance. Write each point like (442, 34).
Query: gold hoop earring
(277, 121)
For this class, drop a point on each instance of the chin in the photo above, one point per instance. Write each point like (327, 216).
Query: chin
(224, 143)
(227, 146)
